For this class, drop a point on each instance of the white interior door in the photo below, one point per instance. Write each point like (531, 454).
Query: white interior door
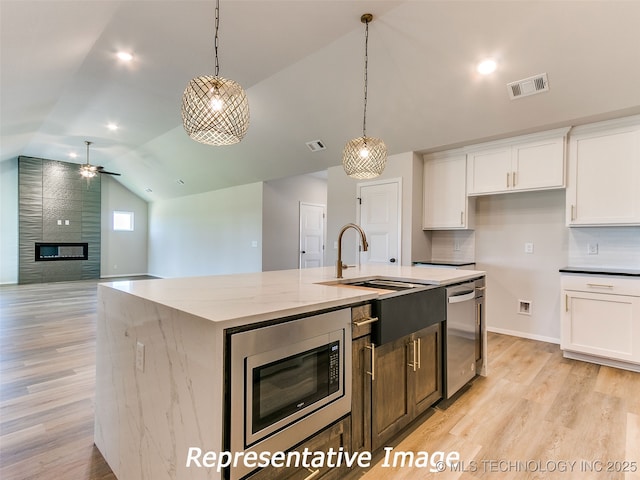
(379, 212)
(311, 235)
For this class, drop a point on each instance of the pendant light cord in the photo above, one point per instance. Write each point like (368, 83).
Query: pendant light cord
(215, 42)
(366, 62)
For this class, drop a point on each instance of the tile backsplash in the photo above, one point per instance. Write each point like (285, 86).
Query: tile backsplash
(616, 247)
(453, 245)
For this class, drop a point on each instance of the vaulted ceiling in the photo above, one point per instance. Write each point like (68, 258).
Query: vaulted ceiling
(301, 62)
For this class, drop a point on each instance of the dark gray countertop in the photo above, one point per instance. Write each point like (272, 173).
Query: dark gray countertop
(602, 271)
(445, 263)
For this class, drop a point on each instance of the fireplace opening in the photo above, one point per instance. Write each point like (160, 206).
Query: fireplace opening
(61, 251)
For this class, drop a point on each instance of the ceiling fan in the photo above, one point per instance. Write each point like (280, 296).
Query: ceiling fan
(89, 171)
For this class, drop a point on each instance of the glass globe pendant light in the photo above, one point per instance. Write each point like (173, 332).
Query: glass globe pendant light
(364, 157)
(215, 110)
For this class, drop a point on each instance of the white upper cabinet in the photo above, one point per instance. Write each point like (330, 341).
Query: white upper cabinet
(604, 174)
(528, 162)
(446, 205)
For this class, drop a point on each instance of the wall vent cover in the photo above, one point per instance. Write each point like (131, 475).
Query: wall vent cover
(316, 145)
(528, 86)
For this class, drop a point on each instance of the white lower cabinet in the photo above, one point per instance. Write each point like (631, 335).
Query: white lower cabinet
(601, 319)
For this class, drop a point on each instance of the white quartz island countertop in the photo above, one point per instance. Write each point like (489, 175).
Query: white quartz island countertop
(160, 355)
(253, 297)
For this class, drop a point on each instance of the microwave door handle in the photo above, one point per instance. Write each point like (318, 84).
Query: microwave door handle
(462, 298)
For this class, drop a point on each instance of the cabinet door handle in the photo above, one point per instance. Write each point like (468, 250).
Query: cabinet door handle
(599, 285)
(566, 302)
(365, 321)
(314, 474)
(461, 218)
(372, 347)
(477, 314)
(414, 364)
(513, 179)
(507, 179)
(573, 217)
(419, 359)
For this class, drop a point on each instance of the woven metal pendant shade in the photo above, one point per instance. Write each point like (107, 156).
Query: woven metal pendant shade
(364, 157)
(215, 110)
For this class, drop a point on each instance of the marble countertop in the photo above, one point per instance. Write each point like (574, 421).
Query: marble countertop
(253, 297)
(602, 271)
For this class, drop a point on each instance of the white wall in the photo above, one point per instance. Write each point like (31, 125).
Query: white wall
(122, 253)
(281, 218)
(504, 223)
(341, 209)
(9, 221)
(208, 233)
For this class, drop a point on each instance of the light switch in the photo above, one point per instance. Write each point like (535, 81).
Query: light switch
(66, 222)
(59, 222)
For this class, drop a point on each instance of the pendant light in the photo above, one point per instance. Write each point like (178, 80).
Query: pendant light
(364, 157)
(215, 110)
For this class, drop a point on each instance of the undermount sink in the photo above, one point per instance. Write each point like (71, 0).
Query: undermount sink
(384, 284)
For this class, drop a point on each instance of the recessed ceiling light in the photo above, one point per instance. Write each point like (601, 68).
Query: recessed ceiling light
(125, 56)
(112, 126)
(487, 66)
(73, 154)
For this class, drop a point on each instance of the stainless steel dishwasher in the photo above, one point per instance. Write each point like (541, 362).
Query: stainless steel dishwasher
(461, 337)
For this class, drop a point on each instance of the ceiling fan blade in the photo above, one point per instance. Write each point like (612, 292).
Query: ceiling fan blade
(102, 170)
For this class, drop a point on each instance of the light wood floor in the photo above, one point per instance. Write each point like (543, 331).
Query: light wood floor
(534, 406)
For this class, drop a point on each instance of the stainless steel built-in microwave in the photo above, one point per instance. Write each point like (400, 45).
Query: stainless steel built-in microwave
(288, 381)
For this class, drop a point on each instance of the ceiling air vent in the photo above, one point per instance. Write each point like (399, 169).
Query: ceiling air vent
(316, 145)
(528, 86)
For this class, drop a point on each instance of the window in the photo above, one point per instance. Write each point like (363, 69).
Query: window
(123, 221)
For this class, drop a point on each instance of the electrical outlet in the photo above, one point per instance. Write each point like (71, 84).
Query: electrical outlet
(335, 245)
(254, 244)
(528, 247)
(456, 245)
(140, 356)
(592, 249)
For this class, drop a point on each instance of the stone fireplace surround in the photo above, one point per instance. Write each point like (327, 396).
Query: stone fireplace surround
(57, 207)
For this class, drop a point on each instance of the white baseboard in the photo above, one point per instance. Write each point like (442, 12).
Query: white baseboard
(125, 275)
(530, 336)
(609, 362)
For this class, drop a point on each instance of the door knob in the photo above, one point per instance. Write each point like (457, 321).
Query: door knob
(392, 260)
(303, 251)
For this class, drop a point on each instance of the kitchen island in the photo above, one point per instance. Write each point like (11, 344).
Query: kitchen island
(160, 354)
